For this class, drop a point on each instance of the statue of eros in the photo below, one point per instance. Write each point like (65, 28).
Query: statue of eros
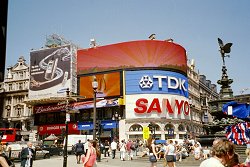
(224, 49)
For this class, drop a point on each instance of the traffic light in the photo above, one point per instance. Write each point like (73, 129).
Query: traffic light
(97, 125)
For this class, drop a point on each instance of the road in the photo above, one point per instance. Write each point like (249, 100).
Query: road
(57, 161)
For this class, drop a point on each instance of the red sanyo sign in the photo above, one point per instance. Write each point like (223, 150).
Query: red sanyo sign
(143, 106)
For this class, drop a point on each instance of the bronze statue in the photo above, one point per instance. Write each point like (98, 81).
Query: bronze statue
(224, 49)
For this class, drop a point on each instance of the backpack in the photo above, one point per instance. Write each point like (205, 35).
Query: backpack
(79, 148)
(132, 147)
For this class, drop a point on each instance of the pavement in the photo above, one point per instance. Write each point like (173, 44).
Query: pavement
(57, 161)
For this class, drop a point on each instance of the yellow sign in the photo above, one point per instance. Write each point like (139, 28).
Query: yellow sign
(145, 132)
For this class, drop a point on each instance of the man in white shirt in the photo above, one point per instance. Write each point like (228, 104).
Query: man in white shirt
(86, 146)
(113, 148)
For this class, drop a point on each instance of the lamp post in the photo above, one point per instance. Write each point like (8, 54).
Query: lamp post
(65, 151)
(94, 86)
(116, 117)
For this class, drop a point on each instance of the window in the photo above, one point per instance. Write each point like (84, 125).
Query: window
(135, 127)
(20, 86)
(10, 87)
(21, 75)
(18, 112)
(8, 114)
(181, 128)
(9, 100)
(19, 99)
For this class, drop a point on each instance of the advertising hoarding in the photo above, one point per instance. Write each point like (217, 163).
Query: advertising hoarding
(51, 72)
(109, 84)
(57, 129)
(133, 54)
(156, 82)
(75, 106)
(156, 94)
(157, 106)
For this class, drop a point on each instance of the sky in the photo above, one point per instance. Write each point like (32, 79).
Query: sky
(193, 24)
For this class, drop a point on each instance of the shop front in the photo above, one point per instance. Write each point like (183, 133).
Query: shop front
(107, 129)
(57, 130)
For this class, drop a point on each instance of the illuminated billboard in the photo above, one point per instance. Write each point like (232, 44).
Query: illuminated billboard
(156, 82)
(157, 106)
(51, 72)
(133, 54)
(156, 94)
(109, 85)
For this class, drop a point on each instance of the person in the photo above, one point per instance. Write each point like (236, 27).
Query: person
(86, 145)
(113, 148)
(79, 150)
(206, 152)
(222, 151)
(197, 151)
(3, 161)
(130, 148)
(123, 150)
(106, 148)
(247, 161)
(170, 154)
(27, 156)
(235, 162)
(153, 157)
(90, 159)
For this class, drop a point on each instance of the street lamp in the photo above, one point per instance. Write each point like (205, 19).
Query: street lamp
(116, 117)
(65, 100)
(65, 151)
(94, 86)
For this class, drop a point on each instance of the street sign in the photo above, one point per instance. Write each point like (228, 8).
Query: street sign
(170, 132)
(145, 132)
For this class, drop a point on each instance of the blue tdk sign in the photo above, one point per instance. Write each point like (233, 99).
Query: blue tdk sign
(156, 81)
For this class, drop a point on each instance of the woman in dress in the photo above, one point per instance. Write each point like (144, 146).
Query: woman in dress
(90, 159)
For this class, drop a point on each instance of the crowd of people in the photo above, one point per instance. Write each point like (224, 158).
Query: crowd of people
(221, 154)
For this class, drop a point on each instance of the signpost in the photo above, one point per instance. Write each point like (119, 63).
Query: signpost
(145, 132)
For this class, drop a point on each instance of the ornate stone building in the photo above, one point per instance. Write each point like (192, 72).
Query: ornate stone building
(200, 92)
(14, 90)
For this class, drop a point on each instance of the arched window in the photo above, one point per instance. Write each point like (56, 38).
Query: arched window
(169, 126)
(135, 127)
(181, 127)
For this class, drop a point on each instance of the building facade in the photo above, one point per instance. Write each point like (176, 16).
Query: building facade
(156, 91)
(14, 90)
(140, 83)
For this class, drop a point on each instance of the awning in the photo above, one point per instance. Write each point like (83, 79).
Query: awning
(99, 104)
(76, 106)
(107, 124)
(85, 126)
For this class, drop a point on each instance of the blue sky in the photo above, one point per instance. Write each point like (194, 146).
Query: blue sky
(194, 24)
